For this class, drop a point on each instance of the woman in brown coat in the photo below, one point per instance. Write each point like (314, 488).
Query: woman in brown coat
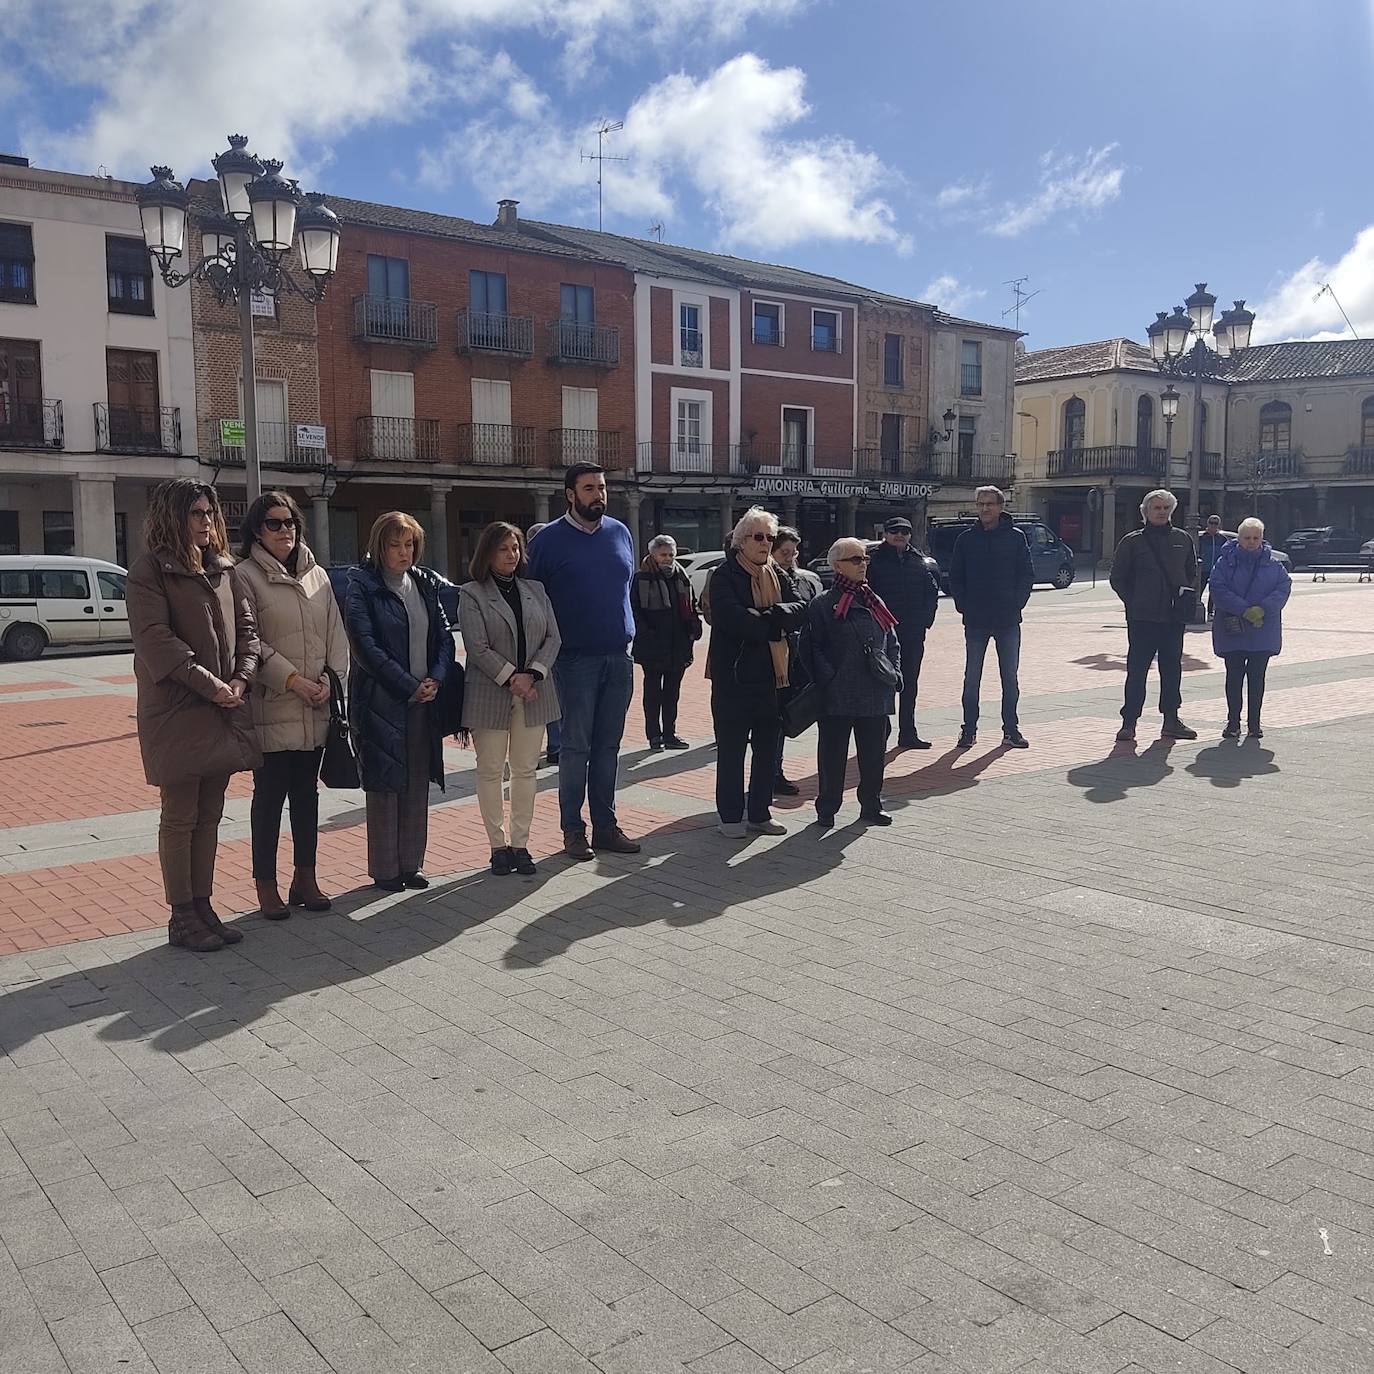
(195, 656)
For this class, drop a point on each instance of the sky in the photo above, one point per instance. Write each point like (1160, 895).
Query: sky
(1112, 154)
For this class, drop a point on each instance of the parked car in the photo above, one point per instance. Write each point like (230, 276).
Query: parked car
(699, 566)
(826, 573)
(60, 601)
(1367, 550)
(1278, 555)
(1321, 544)
(1052, 557)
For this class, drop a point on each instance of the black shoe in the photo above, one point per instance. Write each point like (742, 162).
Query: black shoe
(1254, 731)
(824, 820)
(1176, 729)
(1014, 739)
(875, 817)
(575, 845)
(783, 788)
(913, 742)
(1126, 735)
(1232, 730)
(967, 739)
(675, 742)
(614, 841)
(502, 861)
(416, 880)
(655, 745)
(390, 884)
(523, 863)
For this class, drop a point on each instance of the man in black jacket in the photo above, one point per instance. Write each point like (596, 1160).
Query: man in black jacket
(898, 573)
(990, 578)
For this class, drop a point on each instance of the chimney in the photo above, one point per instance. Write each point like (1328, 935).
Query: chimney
(13, 160)
(506, 217)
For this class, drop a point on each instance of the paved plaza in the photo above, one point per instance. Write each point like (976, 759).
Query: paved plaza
(1070, 1071)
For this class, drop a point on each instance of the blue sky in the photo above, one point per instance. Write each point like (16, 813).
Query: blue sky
(1113, 153)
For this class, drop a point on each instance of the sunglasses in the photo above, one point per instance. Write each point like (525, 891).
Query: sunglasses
(760, 538)
(278, 523)
(857, 558)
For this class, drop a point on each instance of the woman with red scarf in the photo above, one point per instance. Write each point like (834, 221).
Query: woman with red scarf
(850, 646)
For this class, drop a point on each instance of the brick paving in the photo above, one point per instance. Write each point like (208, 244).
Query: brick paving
(1071, 1069)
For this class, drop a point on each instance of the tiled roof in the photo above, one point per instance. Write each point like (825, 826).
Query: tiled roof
(440, 226)
(1292, 361)
(1082, 360)
(955, 322)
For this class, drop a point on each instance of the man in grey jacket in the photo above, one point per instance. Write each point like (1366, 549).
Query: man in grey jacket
(1152, 567)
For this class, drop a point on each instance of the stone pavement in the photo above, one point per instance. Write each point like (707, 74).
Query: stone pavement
(1071, 1069)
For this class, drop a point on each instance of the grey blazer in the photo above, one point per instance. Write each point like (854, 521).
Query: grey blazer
(488, 626)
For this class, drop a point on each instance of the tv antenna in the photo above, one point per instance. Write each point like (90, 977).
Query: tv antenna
(1327, 291)
(1017, 285)
(656, 230)
(601, 157)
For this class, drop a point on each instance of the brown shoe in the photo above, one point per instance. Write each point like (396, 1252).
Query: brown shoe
(305, 891)
(614, 841)
(575, 844)
(229, 934)
(187, 930)
(270, 903)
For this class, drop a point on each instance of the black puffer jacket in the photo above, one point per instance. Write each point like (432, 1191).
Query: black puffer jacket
(741, 662)
(834, 652)
(907, 586)
(991, 575)
(380, 683)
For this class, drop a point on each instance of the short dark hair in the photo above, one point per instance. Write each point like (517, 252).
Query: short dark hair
(787, 535)
(257, 513)
(578, 471)
(488, 542)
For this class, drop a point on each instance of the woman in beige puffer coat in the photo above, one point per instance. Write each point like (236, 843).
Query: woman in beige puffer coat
(302, 634)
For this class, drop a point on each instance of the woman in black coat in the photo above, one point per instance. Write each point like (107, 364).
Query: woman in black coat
(752, 610)
(667, 625)
(399, 690)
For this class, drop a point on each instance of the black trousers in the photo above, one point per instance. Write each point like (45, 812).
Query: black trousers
(1147, 640)
(662, 687)
(913, 642)
(1245, 680)
(832, 756)
(287, 774)
(751, 722)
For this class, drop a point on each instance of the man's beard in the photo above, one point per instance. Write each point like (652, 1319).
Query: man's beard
(591, 514)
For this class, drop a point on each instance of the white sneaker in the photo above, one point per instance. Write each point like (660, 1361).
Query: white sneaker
(765, 827)
(732, 830)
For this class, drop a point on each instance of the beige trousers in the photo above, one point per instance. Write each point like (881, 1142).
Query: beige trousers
(520, 744)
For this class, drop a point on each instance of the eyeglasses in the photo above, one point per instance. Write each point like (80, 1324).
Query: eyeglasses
(760, 538)
(278, 523)
(901, 534)
(857, 558)
(201, 513)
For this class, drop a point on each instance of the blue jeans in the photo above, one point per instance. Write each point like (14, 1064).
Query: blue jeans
(555, 733)
(595, 692)
(1008, 641)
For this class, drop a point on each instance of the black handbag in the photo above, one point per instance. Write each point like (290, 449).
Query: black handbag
(801, 710)
(1183, 601)
(880, 668)
(339, 767)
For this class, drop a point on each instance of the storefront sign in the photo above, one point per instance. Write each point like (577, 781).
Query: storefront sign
(840, 487)
(309, 436)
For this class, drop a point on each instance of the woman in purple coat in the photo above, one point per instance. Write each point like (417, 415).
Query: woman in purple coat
(1248, 589)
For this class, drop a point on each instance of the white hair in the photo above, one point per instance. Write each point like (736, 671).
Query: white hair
(1160, 495)
(662, 541)
(744, 527)
(992, 491)
(833, 557)
(1251, 522)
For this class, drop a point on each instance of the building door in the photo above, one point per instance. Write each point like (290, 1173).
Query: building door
(272, 437)
(135, 411)
(796, 440)
(688, 454)
(21, 393)
(393, 414)
(890, 442)
(491, 431)
(968, 437)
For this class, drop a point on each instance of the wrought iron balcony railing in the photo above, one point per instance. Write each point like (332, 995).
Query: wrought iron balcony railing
(690, 348)
(1275, 463)
(386, 319)
(397, 439)
(769, 335)
(825, 341)
(502, 445)
(30, 424)
(569, 446)
(761, 456)
(973, 469)
(970, 379)
(278, 444)
(1106, 460)
(657, 456)
(495, 332)
(134, 429)
(904, 462)
(595, 345)
(1359, 462)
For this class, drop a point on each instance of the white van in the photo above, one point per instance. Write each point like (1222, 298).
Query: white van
(60, 601)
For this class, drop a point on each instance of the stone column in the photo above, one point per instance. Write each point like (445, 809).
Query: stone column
(541, 506)
(849, 517)
(634, 499)
(727, 516)
(93, 517)
(789, 510)
(438, 538)
(1108, 522)
(319, 529)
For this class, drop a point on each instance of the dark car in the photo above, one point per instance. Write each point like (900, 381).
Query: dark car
(826, 573)
(1052, 557)
(1321, 544)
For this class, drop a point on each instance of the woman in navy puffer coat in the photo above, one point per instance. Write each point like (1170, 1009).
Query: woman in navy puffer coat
(1249, 589)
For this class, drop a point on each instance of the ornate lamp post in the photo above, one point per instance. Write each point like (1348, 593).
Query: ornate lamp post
(1172, 355)
(1168, 407)
(245, 249)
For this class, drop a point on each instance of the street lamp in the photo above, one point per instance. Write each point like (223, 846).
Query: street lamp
(1169, 336)
(244, 251)
(1168, 407)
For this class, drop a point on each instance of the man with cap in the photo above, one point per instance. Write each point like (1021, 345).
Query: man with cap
(899, 574)
(1209, 547)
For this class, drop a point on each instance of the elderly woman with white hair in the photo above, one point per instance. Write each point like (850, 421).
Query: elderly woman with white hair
(851, 648)
(667, 625)
(1249, 588)
(1154, 573)
(747, 662)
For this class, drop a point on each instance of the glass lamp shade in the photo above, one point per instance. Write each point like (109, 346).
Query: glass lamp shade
(1177, 327)
(948, 417)
(1200, 306)
(1168, 402)
(236, 167)
(218, 236)
(1154, 331)
(1242, 321)
(162, 212)
(1221, 335)
(318, 229)
(274, 201)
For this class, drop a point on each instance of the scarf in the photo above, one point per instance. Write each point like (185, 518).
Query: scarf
(664, 591)
(768, 592)
(877, 608)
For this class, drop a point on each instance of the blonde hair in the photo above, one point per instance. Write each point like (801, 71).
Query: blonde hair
(392, 523)
(166, 526)
(755, 515)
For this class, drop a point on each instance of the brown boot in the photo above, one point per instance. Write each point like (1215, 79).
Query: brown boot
(305, 891)
(229, 934)
(187, 929)
(270, 903)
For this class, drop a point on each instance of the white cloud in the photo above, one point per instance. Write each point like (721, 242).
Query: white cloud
(960, 194)
(1297, 308)
(726, 138)
(1068, 183)
(948, 293)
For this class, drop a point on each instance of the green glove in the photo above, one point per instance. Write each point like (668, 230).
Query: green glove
(1255, 615)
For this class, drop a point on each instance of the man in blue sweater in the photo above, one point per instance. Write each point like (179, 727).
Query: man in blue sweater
(586, 562)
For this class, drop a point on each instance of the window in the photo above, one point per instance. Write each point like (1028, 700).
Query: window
(111, 586)
(767, 323)
(16, 583)
(1367, 423)
(129, 276)
(689, 335)
(59, 535)
(577, 304)
(890, 442)
(689, 426)
(796, 439)
(487, 293)
(9, 531)
(968, 432)
(1276, 427)
(892, 360)
(825, 331)
(16, 264)
(135, 413)
(1075, 423)
(388, 278)
(970, 368)
(21, 393)
(63, 586)
(1144, 427)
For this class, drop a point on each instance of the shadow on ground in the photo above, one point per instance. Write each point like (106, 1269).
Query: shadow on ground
(1124, 770)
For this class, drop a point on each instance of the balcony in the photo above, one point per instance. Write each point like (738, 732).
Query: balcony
(132, 429)
(1359, 462)
(1275, 464)
(569, 446)
(498, 445)
(591, 345)
(397, 439)
(31, 424)
(769, 335)
(495, 332)
(689, 346)
(905, 462)
(278, 445)
(970, 379)
(825, 341)
(386, 319)
(973, 469)
(656, 456)
(1107, 460)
